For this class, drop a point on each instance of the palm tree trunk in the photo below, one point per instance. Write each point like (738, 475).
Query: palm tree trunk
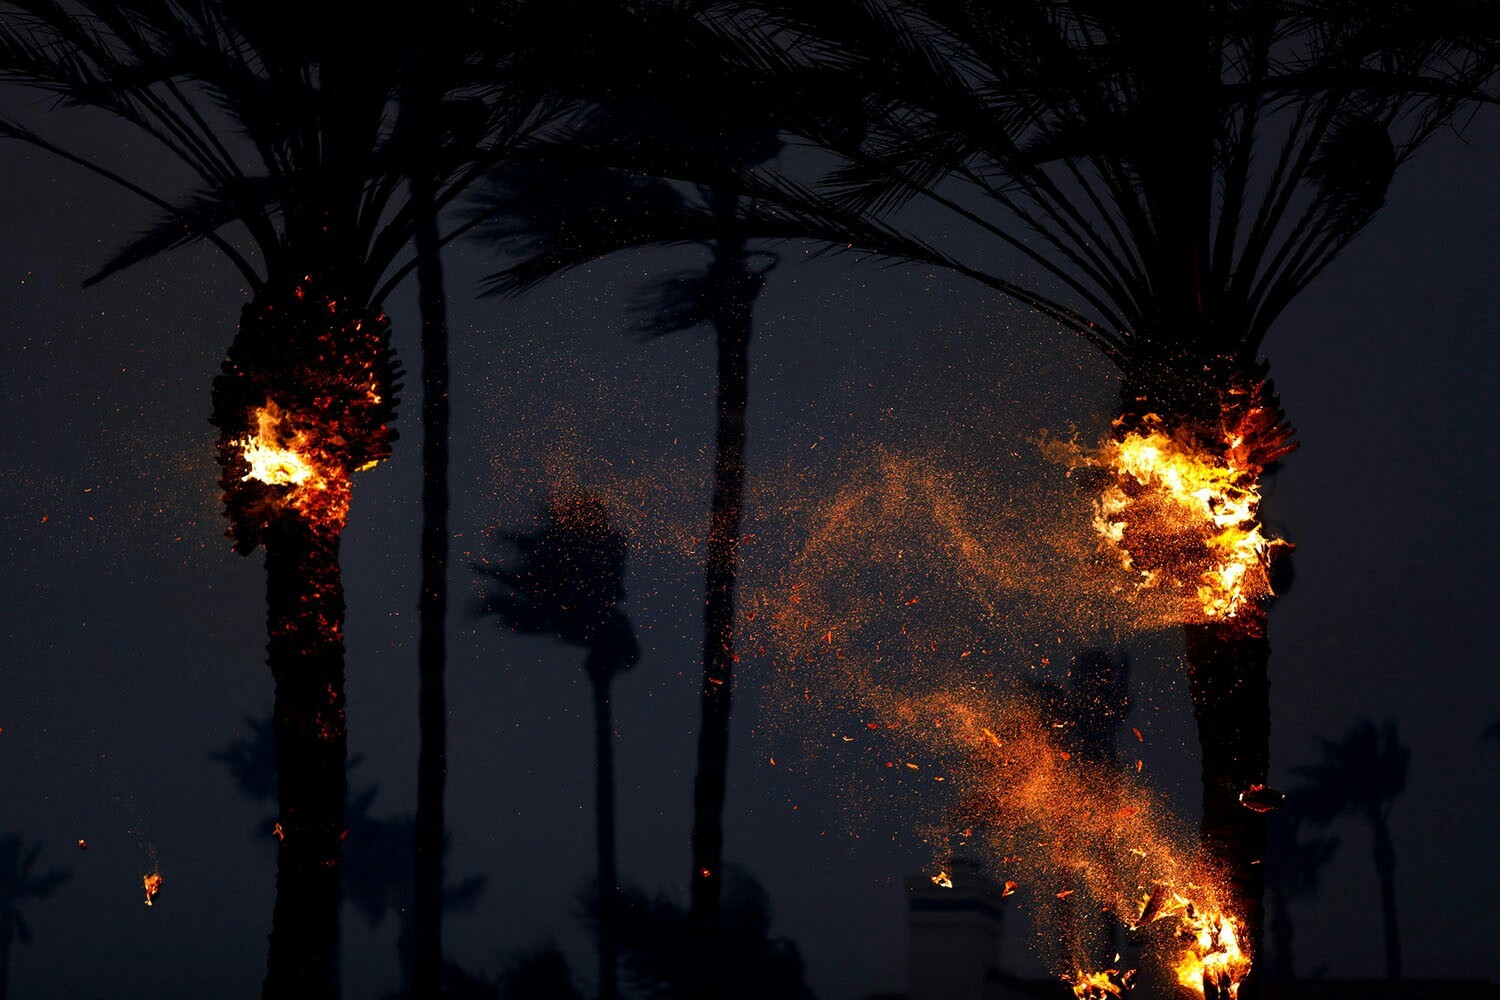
(432, 607)
(604, 823)
(7, 935)
(732, 325)
(305, 602)
(1385, 870)
(1228, 676)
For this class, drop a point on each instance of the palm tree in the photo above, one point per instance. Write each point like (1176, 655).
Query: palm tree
(661, 100)
(1360, 776)
(567, 582)
(659, 941)
(1293, 865)
(20, 881)
(290, 135)
(1179, 172)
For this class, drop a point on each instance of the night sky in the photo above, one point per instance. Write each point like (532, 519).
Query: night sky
(134, 636)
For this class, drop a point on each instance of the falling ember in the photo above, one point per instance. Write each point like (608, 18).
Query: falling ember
(1096, 826)
(942, 880)
(1185, 518)
(152, 883)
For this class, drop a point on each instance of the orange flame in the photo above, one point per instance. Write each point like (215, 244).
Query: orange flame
(282, 454)
(152, 883)
(1183, 517)
(1101, 985)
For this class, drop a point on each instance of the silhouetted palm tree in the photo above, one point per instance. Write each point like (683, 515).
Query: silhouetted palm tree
(288, 133)
(1360, 776)
(662, 104)
(567, 581)
(20, 882)
(1178, 171)
(1293, 865)
(658, 940)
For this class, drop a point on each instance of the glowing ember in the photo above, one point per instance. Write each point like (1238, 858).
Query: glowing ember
(942, 880)
(1099, 985)
(152, 883)
(1095, 827)
(1185, 518)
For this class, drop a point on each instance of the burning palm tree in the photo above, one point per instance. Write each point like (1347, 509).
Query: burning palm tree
(1361, 775)
(568, 582)
(20, 881)
(291, 135)
(1180, 172)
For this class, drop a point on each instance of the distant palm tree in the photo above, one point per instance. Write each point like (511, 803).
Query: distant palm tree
(1293, 865)
(753, 964)
(290, 135)
(567, 581)
(20, 882)
(1360, 776)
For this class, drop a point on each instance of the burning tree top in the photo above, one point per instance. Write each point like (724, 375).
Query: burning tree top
(304, 401)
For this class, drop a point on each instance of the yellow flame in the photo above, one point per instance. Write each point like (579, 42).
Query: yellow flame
(1098, 985)
(1211, 948)
(152, 883)
(274, 454)
(1195, 491)
(942, 880)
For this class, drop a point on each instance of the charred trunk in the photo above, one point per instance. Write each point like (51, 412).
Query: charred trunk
(305, 612)
(732, 320)
(604, 820)
(1228, 677)
(432, 609)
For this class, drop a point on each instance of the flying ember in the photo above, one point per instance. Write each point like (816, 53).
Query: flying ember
(1090, 826)
(152, 883)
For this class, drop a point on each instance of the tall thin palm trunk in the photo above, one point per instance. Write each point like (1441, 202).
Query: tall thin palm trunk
(1385, 870)
(604, 823)
(432, 710)
(305, 614)
(7, 934)
(732, 323)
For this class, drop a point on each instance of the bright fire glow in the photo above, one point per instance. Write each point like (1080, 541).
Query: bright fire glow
(1099, 985)
(276, 454)
(1186, 518)
(152, 883)
(283, 453)
(1211, 953)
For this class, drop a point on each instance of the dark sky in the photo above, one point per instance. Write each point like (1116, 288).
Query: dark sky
(134, 636)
